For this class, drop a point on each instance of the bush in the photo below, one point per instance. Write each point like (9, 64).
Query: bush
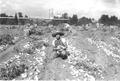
(6, 39)
(30, 51)
(12, 72)
(35, 32)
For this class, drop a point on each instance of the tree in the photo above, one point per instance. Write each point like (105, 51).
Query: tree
(65, 16)
(20, 14)
(3, 15)
(3, 20)
(56, 17)
(26, 16)
(104, 20)
(84, 21)
(74, 20)
(113, 20)
(16, 19)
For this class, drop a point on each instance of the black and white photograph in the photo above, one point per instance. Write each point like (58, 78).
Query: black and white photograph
(60, 40)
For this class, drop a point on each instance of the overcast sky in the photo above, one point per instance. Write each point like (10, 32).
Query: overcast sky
(40, 8)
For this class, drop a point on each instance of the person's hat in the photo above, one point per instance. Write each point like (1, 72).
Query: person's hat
(58, 33)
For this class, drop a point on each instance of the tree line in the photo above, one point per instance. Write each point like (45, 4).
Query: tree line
(104, 19)
(73, 20)
(109, 20)
(18, 18)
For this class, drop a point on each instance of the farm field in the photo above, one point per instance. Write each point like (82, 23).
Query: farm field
(94, 54)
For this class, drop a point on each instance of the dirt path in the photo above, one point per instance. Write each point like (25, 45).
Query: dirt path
(55, 69)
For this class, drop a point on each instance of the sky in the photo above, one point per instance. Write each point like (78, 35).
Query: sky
(40, 8)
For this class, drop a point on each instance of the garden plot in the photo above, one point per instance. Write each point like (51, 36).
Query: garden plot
(92, 57)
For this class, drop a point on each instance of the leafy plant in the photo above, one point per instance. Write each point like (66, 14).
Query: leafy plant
(6, 39)
(12, 72)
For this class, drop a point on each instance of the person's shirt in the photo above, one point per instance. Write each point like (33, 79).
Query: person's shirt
(63, 40)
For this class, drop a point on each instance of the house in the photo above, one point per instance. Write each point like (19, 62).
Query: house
(59, 21)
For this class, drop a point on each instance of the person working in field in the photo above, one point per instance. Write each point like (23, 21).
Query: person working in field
(60, 45)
